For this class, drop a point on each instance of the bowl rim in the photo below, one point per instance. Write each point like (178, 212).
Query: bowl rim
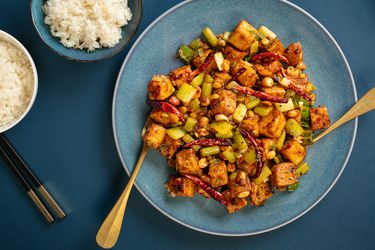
(9, 38)
(115, 52)
(129, 55)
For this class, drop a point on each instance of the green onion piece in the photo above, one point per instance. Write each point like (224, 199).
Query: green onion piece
(190, 124)
(285, 107)
(302, 169)
(195, 105)
(239, 141)
(206, 90)
(219, 59)
(247, 58)
(285, 82)
(186, 92)
(176, 133)
(293, 128)
(263, 175)
(230, 156)
(293, 187)
(262, 110)
(198, 80)
(280, 141)
(210, 36)
(252, 103)
(208, 79)
(305, 117)
(214, 161)
(224, 136)
(250, 156)
(278, 159)
(240, 112)
(231, 85)
(222, 127)
(289, 93)
(186, 53)
(226, 35)
(196, 147)
(254, 48)
(210, 151)
(307, 137)
(187, 138)
(196, 44)
(266, 32)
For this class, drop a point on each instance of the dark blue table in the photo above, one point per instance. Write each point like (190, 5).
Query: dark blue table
(67, 139)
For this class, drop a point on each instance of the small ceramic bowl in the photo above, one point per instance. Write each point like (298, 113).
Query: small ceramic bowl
(43, 29)
(8, 38)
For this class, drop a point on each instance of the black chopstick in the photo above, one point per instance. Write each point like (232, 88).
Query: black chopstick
(34, 179)
(26, 186)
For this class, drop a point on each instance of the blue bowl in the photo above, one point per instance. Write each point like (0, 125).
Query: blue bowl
(155, 53)
(44, 32)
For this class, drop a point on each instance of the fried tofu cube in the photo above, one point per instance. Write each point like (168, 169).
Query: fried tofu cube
(167, 119)
(239, 184)
(180, 75)
(319, 118)
(154, 135)
(180, 186)
(260, 193)
(275, 91)
(160, 88)
(225, 104)
(218, 174)
(283, 175)
(251, 125)
(169, 147)
(234, 204)
(247, 78)
(293, 151)
(272, 124)
(269, 68)
(250, 169)
(276, 46)
(222, 78)
(243, 36)
(187, 162)
(233, 55)
(294, 53)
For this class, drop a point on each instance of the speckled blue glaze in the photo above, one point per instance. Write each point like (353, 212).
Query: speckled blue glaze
(155, 53)
(82, 55)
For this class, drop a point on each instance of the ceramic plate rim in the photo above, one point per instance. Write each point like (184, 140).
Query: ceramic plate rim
(128, 56)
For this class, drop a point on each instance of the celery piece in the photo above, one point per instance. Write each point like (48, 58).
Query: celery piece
(252, 103)
(198, 80)
(293, 128)
(226, 35)
(210, 151)
(208, 79)
(224, 136)
(210, 36)
(266, 32)
(289, 93)
(285, 107)
(231, 85)
(302, 169)
(239, 141)
(250, 156)
(195, 105)
(190, 124)
(176, 133)
(186, 92)
(196, 147)
(196, 44)
(186, 53)
(285, 82)
(293, 187)
(240, 112)
(263, 175)
(206, 89)
(307, 137)
(278, 159)
(229, 156)
(219, 59)
(262, 110)
(222, 127)
(254, 48)
(280, 141)
(187, 138)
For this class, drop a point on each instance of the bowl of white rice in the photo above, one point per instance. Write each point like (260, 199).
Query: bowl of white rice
(86, 30)
(18, 81)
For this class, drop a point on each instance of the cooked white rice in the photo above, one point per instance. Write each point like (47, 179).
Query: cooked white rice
(87, 24)
(16, 83)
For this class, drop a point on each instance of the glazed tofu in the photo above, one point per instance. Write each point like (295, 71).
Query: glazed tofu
(247, 78)
(218, 174)
(275, 91)
(243, 36)
(276, 46)
(154, 135)
(294, 53)
(160, 88)
(180, 75)
(180, 186)
(250, 169)
(273, 124)
(269, 68)
(187, 162)
(319, 118)
(222, 78)
(169, 147)
(283, 175)
(225, 104)
(251, 125)
(233, 55)
(167, 119)
(234, 204)
(293, 151)
(260, 193)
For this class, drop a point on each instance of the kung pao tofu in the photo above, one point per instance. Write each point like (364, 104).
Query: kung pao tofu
(235, 120)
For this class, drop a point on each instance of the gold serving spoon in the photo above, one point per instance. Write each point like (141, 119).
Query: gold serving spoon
(110, 229)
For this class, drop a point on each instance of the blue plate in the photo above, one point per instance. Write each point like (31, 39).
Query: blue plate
(44, 32)
(155, 53)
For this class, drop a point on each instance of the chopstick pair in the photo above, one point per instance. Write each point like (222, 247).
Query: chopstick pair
(23, 173)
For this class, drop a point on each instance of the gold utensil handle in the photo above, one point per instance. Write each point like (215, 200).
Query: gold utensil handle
(40, 206)
(364, 105)
(110, 229)
(60, 213)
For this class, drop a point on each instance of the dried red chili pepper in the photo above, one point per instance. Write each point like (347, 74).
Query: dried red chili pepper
(203, 67)
(212, 192)
(209, 142)
(166, 107)
(239, 72)
(260, 95)
(258, 150)
(269, 54)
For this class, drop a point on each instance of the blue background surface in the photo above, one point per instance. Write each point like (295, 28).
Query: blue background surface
(67, 139)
